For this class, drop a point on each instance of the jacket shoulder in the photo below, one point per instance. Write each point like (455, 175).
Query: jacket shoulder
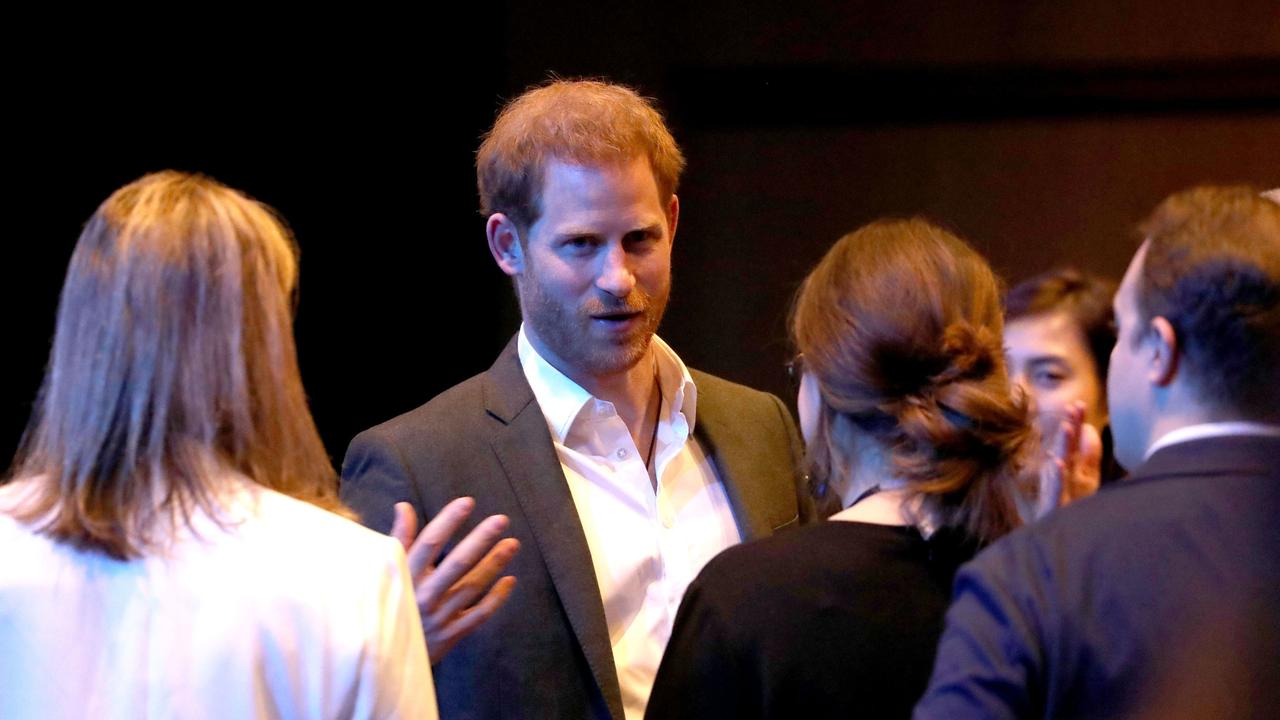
(720, 397)
(719, 386)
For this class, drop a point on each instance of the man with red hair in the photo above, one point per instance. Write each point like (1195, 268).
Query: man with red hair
(619, 470)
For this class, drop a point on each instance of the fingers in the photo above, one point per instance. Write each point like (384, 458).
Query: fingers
(1090, 445)
(463, 593)
(1066, 448)
(1056, 468)
(1071, 427)
(1062, 445)
(450, 632)
(1070, 447)
(436, 534)
(1088, 471)
(447, 593)
(1072, 466)
(472, 552)
(405, 525)
(1052, 472)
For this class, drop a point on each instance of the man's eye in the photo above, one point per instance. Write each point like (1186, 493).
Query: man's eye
(642, 238)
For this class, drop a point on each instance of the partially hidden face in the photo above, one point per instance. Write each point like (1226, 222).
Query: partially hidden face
(597, 267)
(1129, 390)
(1049, 359)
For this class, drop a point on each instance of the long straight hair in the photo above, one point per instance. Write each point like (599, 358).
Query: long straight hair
(173, 365)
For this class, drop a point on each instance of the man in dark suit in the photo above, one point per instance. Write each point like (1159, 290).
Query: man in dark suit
(618, 470)
(1092, 611)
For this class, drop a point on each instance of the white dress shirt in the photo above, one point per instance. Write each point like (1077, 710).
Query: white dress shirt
(646, 547)
(288, 611)
(1209, 430)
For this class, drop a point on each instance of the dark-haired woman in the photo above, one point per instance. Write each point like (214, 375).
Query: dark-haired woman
(906, 407)
(1058, 335)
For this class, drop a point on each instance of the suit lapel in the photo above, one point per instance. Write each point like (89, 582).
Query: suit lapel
(749, 471)
(523, 447)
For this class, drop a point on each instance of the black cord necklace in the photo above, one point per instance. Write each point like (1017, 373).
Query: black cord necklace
(653, 439)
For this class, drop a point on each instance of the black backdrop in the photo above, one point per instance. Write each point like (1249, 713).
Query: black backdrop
(1041, 132)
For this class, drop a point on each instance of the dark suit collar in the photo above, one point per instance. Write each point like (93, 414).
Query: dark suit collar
(525, 452)
(506, 392)
(730, 444)
(1239, 454)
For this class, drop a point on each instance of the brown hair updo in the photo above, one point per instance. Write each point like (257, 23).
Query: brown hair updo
(900, 324)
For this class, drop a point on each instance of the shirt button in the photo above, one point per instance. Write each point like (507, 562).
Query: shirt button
(622, 453)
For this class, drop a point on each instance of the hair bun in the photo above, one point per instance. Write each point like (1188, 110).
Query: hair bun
(970, 352)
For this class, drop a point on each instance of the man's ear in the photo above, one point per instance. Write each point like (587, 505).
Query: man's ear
(673, 216)
(504, 243)
(1164, 351)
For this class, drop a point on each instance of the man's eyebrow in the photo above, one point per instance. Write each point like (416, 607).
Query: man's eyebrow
(654, 228)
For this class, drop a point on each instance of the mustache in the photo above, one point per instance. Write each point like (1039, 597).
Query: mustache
(634, 303)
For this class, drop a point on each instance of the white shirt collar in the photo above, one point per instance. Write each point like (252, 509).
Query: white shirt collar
(562, 399)
(1211, 430)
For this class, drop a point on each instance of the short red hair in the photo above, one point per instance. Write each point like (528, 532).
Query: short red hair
(586, 122)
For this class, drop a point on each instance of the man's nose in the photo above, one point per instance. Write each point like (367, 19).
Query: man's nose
(616, 275)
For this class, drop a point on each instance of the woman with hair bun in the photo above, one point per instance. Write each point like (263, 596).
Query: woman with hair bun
(906, 408)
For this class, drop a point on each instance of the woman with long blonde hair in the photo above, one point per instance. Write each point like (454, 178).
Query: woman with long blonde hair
(173, 542)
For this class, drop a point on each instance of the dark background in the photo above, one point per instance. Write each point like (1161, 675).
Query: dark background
(1041, 131)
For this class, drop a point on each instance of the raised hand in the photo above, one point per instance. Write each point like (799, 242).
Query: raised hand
(458, 592)
(1072, 466)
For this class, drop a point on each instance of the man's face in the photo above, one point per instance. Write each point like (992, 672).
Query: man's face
(1050, 360)
(1128, 387)
(597, 270)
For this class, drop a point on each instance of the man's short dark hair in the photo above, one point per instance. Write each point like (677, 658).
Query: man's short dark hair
(1212, 270)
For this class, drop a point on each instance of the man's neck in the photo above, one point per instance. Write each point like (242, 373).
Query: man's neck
(636, 397)
(631, 391)
(1183, 408)
(634, 392)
